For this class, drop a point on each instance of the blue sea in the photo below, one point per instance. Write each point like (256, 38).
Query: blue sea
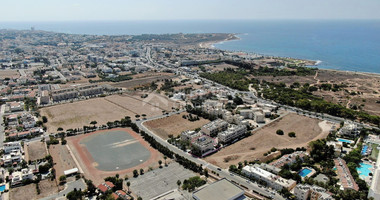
(352, 45)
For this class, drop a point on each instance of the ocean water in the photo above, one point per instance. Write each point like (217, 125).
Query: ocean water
(352, 45)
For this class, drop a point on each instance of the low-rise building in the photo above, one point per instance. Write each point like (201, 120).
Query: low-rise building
(12, 146)
(274, 181)
(213, 128)
(104, 187)
(203, 144)
(349, 130)
(304, 192)
(19, 176)
(345, 177)
(189, 135)
(288, 159)
(232, 133)
(259, 117)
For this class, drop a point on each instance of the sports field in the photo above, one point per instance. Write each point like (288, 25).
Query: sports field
(115, 150)
(109, 152)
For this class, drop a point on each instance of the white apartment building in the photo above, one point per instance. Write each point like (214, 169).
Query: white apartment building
(189, 135)
(214, 127)
(204, 144)
(304, 192)
(12, 146)
(274, 181)
(232, 133)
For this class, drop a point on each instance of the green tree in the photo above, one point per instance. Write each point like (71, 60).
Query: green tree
(280, 132)
(292, 134)
(128, 184)
(135, 173)
(160, 163)
(44, 119)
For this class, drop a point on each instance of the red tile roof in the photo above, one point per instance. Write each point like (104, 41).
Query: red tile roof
(109, 184)
(102, 188)
(114, 196)
(121, 192)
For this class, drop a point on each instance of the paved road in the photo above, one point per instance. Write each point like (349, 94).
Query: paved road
(222, 173)
(78, 184)
(2, 126)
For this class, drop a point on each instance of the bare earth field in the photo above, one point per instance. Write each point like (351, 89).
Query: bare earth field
(9, 74)
(143, 79)
(46, 186)
(253, 147)
(367, 84)
(35, 150)
(23, 192)
(78, 114)
(86, 161)
(62, 159)
(173, 125)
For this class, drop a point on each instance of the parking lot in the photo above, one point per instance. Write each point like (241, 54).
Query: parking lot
(159, 181)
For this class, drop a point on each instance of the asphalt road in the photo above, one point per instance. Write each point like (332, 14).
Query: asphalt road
(222, 173)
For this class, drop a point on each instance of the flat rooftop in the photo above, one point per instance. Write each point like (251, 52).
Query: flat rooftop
(220, 190)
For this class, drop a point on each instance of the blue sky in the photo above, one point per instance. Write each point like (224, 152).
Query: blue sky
(80, 10)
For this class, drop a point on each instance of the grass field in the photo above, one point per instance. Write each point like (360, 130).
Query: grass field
(143, 79)
(35, 150)
(173, 125)
(375, 151)
(263, 140)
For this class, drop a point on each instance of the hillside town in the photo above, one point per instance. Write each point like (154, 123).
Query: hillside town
(169, 117)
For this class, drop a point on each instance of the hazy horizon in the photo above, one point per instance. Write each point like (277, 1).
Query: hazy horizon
(119, 10)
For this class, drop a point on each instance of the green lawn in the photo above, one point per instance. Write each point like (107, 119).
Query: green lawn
(375, 151)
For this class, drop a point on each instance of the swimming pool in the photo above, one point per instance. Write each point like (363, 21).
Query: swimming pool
(304, 172)
(344, 140)
(364, 169)
(364, 150)
(2, 188)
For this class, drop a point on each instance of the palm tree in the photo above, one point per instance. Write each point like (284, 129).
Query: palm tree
(165, 157)
(128, 184)
(160, 162)
(179, 183)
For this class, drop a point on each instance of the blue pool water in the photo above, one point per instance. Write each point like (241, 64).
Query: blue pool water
(2, 188)
(304, 172)
(344, 140)
(363, 170)
(364, 150)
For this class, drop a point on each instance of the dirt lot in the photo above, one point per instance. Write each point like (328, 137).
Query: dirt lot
(23, 192)
(46, 186)
(263, 140)
(143, 79)
(9, 74)
(173, 125)
(35, 150)
(78, 114)
(152, 105)
(62, 159)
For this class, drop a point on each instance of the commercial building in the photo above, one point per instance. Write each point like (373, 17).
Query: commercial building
(274, 181)
(345, 177)
(232, 133)
(203, 144)
(220, 190)
(213, 128)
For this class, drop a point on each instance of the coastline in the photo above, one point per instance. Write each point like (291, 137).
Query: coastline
(234, 36)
